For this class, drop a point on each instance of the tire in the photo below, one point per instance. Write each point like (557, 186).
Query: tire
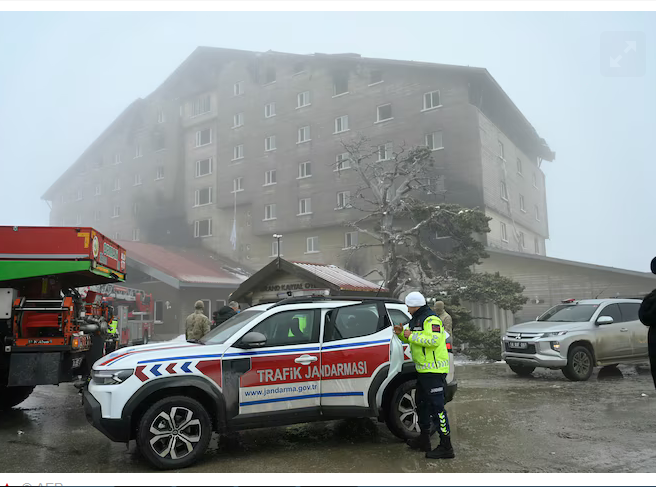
(13, 396)
(580, 364)
(522, 370)
(194, 430)
(401, 412)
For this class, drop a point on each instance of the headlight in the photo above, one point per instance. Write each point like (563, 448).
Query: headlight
(109, 377)
(553, 334)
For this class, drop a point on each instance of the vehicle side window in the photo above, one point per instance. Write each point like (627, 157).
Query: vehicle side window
(351, 322)
(290, 328)
(398, 317)
(629, 311)
(613, 311)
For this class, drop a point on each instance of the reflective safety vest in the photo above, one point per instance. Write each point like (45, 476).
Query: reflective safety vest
(113, 327)
(302, 325)
(427, 342)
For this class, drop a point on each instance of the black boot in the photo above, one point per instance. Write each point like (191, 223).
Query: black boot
(443, 450)
(421, 443)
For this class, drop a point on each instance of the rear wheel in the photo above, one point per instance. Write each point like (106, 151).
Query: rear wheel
(401, 416)
(580, 364)
(522, 370)
(174, 432)
(13, 396)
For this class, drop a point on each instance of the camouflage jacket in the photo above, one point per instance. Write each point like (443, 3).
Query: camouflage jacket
(446, 321)
(197, 325)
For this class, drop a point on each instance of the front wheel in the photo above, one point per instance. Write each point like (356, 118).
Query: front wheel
(401, 416)
(580, 364)
(174, 432)
(13, 396)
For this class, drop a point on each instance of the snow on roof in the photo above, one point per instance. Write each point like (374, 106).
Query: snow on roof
(347, 281)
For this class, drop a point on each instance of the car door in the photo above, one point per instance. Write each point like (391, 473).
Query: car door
(284, 374)
(637, 330)
(613, 341)
(355, 357)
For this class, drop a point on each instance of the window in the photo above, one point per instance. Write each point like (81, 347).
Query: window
(97, 190)
(270, 143)
(203, 167)
(270, 177)
(342, 161)
(629, 311)
(537, 213)
(341, 124)
(350, 240)
(96, 215)
(270, 110)
(270, 212)
(537, 246)
(159, 173)
(384, 112)
(343, 200)
(434, 141)
(137, 179)
(535, 181)
(299, 67)
(504, 232)
(62, 198)
(303, 99)
(161, 117)
(312, 245)
(159, 142)
(203, 196)
(304, 206)
(519, 166)
(78, 195)
(203, 137)
(398, 317)
(522, 243)
(135, 209)
(237, 120)
(135, 234)
(78, 220)
(116, 212)
(238, 88)
(117, 236)
(612, 310)
(289, 328)
(521, 203)
(159, 311)
(352, 322)
(375, 77)
(431, 100)
(504, 191)
(238, 184)
(201, 105)
(117, 159)
(203, 228)
(269, 75)
(117, 184)
(276, 246)
(238, 152)
(385, 152)
(303, 134)
(340, 84)
(502, 151)
(304, 170)
(137, 150)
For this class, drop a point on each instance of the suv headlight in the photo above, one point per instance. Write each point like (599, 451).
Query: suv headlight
(109, 377)
(553, 334)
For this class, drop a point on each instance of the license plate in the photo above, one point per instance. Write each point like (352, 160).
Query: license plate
(518, 345)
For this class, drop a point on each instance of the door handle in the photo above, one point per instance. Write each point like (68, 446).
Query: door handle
(305, 359)
(624, 329)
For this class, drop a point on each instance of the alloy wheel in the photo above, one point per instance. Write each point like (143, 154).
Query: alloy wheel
(581, 363)
(408, 411)
(175, 434)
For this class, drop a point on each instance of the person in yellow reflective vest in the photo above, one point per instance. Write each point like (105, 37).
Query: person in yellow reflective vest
(112, 329)
(302, 326)
(427, 339)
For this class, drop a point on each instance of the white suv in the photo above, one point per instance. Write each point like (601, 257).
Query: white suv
(299, 360)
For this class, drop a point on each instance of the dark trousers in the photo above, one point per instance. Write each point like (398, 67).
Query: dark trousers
(431, 389)
(651, 346)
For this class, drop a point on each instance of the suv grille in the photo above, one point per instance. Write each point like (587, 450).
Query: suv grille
(517, 335)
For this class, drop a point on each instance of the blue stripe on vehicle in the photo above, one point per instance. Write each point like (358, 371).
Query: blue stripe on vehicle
(185, 367)
(293, 398)
(264, 352)
(154, 370)
(359, 344)
(178, 358)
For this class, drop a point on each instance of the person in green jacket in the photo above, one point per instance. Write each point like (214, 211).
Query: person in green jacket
(427, 339)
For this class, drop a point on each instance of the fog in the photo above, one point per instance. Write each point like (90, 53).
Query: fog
(66, 76)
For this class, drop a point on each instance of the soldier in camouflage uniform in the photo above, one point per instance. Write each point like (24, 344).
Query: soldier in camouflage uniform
(197, 324)
(444, 317)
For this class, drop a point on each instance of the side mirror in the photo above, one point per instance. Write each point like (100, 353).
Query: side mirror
(605, 320)
(252, 339)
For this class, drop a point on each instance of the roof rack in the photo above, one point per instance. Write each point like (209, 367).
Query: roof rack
(314, 299)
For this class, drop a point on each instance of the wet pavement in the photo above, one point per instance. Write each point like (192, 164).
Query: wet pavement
(500, 423)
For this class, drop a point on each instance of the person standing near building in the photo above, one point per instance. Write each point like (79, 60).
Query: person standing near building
(427, 340)
(197, 324)
(225, 313)
(444, 317)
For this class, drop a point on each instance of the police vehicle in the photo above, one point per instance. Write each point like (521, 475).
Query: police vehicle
(295, 361)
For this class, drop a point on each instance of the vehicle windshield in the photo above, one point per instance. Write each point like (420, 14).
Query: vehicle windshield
(570, 313)
(229, 327)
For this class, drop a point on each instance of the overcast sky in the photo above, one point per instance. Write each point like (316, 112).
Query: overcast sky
(65, 76)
